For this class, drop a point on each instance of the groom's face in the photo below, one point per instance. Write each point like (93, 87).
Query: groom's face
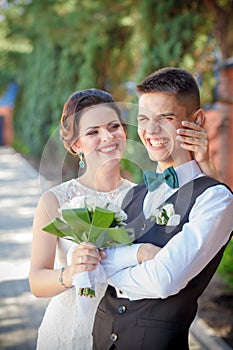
(159, 117)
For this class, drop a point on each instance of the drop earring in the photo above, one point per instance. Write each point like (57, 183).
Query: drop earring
(81, 162)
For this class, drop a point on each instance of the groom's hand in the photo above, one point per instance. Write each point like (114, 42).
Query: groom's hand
(146, 252)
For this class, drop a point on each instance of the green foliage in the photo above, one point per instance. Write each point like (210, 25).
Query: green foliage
(75, 45)
(172, 29)
(52, 48)
(225, 268)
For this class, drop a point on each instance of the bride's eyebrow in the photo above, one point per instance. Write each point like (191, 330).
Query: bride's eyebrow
(98, 126)
(92, 127)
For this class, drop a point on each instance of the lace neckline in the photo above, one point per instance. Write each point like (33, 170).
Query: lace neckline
(66, 191)
(123, 184)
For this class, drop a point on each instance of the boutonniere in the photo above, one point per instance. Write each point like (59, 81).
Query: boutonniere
(165, 216)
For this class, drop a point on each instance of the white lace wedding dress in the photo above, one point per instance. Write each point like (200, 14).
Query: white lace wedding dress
(61, 329)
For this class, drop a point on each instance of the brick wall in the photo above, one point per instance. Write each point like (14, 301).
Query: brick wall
(219, 125)
(7, 129)
(7, 102)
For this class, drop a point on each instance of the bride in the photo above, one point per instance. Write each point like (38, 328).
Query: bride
(91, 128)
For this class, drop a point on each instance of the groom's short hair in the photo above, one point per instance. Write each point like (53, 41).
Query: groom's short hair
(174, 81)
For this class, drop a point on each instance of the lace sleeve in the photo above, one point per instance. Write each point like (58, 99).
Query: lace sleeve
(66, 191)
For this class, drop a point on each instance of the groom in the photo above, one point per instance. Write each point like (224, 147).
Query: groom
(153, 304)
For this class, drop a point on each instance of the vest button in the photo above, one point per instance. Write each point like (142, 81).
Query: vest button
(113, 337)
(143, 227)
(122, 309)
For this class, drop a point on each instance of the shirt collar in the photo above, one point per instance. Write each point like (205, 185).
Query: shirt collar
(188, 171)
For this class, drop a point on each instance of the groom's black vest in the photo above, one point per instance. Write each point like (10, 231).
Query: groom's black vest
(154, 324)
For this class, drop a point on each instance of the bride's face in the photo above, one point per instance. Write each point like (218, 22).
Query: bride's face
(102, 137)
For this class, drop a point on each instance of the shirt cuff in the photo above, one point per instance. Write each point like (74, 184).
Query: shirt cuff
(119, 258)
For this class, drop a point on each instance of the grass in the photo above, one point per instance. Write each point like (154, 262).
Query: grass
(225, 269)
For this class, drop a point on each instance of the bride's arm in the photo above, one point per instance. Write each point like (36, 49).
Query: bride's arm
(43, 278)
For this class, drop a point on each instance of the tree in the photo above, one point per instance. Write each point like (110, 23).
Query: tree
(65, 55)
(55, 47)
(222, 13)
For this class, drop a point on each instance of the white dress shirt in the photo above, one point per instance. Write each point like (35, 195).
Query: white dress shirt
(188, 252)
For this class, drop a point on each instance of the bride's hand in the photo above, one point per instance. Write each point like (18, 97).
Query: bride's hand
(147, 251)
(85, 257)
(195, 139)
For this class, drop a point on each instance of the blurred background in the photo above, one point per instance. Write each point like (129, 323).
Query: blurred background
(50, 48)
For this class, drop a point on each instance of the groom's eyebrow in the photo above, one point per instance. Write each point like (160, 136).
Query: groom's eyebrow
(167, 114)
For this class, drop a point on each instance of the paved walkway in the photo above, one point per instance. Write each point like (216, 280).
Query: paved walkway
(20, 311)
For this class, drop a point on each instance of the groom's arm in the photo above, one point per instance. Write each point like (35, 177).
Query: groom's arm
(186, 254)
(119, 258)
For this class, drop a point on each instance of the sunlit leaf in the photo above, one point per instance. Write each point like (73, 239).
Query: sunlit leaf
(111, 237)
(71, 215)
(102, 217)
(57, 227)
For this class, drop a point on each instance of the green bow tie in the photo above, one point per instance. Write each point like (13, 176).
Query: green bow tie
(153, 180)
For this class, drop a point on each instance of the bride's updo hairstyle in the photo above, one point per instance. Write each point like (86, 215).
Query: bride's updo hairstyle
(73, 109)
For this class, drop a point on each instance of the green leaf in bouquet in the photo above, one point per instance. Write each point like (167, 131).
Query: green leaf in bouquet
(102, 217)
(71, 215)
(57, 227)
(94, 233)
(78, 219)
(85, 237)
(61, 229)
(112, 237)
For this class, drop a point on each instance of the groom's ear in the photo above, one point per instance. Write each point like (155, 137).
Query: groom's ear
(199, 117)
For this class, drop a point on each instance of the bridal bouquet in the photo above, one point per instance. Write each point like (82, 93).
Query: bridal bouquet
(91, 220)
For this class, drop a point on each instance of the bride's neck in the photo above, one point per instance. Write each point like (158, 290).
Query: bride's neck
(105, 180)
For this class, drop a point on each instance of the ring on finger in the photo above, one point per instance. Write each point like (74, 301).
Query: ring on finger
(81, 259)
